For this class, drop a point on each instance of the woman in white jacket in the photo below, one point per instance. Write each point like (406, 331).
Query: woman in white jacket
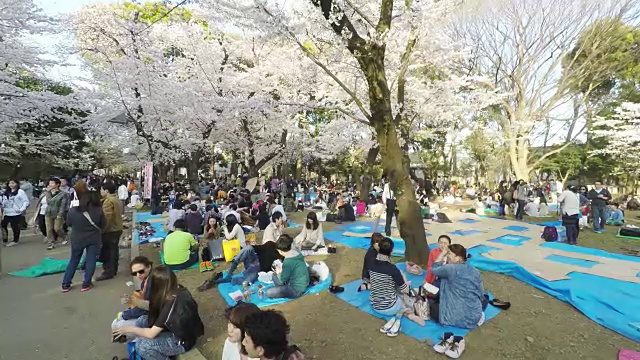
(14, 203)
(311, 237)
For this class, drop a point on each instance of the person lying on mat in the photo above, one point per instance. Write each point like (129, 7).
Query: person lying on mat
(390, 290)
(312, 236)
(211, 229)
(233, 230)
(179, 248)
(461, 297)
(369, 259)
(236, 315)
(291, 277)
(275, 228)
(616, 215)
(443, 244)
(140, 268)
(254, 258)
(173, 324)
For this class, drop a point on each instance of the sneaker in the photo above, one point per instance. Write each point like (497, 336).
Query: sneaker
(481, 319)
(386, 327)
(457, 348)
(66, 288)
(64, 242)
(12, 244)
(395, 329)
(206, 285)
(445, 344)
(86, 288)
(51, 247)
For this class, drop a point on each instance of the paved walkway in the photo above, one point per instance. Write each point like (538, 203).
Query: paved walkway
(38, 322)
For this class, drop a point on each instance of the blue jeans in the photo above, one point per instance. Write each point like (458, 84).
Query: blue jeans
(163, 346)
(281, 290)
(193, 258)
(392, 311)
(599, 214)
(90, 260)
(247, 256)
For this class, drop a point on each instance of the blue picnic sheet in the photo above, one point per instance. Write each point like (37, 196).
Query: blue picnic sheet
(616, 309)
(432, 330)
(226, 288)
(399, 246)
(145, 217)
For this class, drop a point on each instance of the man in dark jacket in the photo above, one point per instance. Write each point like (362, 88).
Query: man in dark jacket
(599, 197)
(54, 216)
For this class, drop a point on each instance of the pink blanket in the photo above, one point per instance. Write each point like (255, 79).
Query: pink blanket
(628, 355)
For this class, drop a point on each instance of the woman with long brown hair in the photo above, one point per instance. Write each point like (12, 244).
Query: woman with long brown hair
(173, 324)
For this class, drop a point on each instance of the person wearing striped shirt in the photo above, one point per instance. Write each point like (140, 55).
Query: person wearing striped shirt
(390, 290)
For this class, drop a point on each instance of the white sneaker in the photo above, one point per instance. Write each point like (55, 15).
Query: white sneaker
(65, 242)
(395, 329)
(445, 344)
(456, 349)
(481, 319)
(386, 327)
(12, 244)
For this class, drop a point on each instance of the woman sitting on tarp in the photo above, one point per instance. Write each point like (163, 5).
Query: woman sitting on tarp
(233, 230)
(369, 259)
(390, 290)
(461, 301)
(139, 302)
(616, 215)
(345, 210)
(443, 244)
(312, 236)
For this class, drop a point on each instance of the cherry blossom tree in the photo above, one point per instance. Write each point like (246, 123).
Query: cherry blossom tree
(622, 132)
(386, 64)
(28, 101)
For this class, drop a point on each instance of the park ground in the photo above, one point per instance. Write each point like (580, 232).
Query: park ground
(39, 322)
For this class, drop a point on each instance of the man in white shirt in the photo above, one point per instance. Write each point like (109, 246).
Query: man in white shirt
(389, 199)
(123, 195)
(569, 202)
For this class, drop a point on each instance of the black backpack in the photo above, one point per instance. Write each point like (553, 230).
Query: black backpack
(550, 234)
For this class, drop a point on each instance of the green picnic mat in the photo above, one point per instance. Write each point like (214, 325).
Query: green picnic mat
(194, 266)
(47, 266)
(626, 237)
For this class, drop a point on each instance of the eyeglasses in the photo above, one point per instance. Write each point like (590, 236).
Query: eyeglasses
(139, 272)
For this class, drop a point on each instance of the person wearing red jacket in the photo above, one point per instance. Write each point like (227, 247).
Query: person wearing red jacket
(443, 243)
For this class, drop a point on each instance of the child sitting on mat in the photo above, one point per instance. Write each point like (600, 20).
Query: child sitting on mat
(369, 258)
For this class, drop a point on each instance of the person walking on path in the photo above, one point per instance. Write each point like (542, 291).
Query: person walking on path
(123, 195)
(599, 197)
(110, 252)
(14, 203)
(54, 216)
(389, 199)
(86, 221)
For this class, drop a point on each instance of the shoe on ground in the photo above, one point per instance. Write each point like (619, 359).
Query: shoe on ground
(445, 344)
(104, 277)
(206, 285)
(457, 348)
(395, 329)
(51, 247)
(12, 244)
(386, 327)
(86, 287)
(482, 318)
(66, 288)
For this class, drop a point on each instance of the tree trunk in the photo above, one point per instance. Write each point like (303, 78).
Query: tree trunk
(396, 165)
(192, 171)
